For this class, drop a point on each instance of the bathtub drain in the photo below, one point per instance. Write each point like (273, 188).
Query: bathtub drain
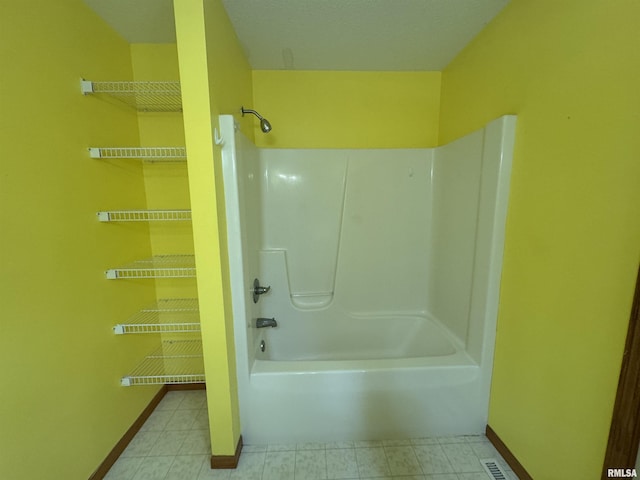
(263, 346)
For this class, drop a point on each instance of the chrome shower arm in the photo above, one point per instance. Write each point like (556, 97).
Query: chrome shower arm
(265, 126)
(248, 110)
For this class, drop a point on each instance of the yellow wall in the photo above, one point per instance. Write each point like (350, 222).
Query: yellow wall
(215, 79)
(61, 407)
(322, 109)
(569, 71)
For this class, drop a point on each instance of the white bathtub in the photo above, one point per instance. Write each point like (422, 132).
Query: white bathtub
(354, 338)
(330, 379)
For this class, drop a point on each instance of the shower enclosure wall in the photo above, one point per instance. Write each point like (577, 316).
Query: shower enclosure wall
(384, 268)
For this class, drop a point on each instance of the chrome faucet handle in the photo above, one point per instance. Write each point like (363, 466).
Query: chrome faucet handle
(258, 290)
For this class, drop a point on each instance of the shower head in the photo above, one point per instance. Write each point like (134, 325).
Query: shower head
(265, 126)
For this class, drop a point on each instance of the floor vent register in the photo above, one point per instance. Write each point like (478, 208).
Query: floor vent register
(493, 469)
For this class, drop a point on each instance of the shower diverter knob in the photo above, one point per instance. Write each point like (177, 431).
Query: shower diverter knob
(258, 290)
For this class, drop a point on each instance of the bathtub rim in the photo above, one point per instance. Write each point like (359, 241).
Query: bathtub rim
(270, 367)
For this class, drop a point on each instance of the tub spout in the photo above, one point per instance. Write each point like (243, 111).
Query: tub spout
(266, 322)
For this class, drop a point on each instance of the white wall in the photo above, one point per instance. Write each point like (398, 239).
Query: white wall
(456, 188)
(242, 196)
(301, 202)
(383, 260)
(351, 226)
(376, 231)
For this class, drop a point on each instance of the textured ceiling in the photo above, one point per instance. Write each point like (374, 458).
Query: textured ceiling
(139, 21)
(325, 34)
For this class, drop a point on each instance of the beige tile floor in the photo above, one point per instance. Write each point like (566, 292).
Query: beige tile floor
(174, 444)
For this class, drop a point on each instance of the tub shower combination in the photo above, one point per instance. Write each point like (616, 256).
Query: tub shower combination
(365, 285)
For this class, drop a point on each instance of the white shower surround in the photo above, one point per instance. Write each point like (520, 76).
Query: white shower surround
(362, 245)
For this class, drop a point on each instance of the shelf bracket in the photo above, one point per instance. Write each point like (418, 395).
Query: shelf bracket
(94, 152)
(86, 86)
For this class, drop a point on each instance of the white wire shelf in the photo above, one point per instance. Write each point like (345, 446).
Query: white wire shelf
(147, 154)
(158, 266)
(144, 215)
(170, 315)
(176, 361)
(143, 96)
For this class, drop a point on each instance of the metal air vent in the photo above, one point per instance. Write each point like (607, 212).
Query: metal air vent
(493, 469)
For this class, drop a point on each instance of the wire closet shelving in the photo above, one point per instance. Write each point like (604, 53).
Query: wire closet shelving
(158, 266)
(176, 361)
(146, 154)
(170, 315)
(143, 96)
(144, 215)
